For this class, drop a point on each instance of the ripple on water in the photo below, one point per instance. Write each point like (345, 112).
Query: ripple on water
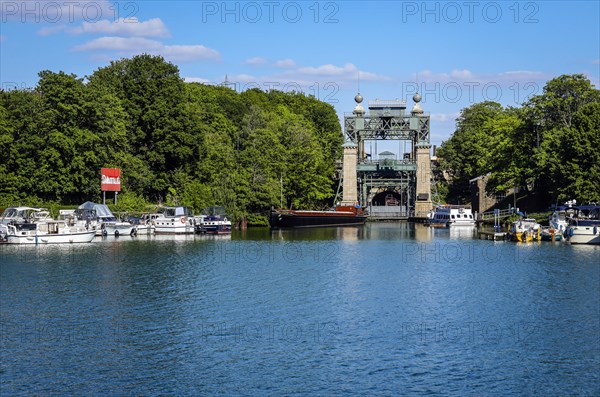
(383, 310)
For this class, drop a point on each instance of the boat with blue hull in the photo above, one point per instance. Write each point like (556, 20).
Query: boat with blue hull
(213, 220)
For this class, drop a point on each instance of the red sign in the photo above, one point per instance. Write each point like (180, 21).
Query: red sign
(111, 179)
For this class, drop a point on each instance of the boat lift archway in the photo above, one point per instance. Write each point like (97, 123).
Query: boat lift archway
(407, 174)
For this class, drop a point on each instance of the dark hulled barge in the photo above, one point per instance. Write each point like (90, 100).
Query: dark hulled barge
(342, 216)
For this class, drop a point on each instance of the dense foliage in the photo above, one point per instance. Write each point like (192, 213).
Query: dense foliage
(550, 145)
(189, 143)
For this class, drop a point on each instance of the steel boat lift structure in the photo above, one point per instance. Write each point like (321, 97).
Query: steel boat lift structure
(365, 179)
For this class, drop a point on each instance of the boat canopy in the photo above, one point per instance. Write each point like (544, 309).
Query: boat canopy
(587, 207)
(177, 211)
(101, 210)
(214, 211)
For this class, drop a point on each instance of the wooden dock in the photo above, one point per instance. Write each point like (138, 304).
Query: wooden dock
(494, 236)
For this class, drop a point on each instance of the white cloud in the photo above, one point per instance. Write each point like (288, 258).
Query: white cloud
(127, 46)
(325, 78)
(130, 27)
(255, 61)
(522, 75)
(596, 61)
(444, 117)
(285, 63)
(119, 44)
(125, 27)
(2, 38)
(467, 76)
(46, 31)
(196, 80)
(461, 74)
(328, 70)
(348, 72)
(189, 53)
(243, 78)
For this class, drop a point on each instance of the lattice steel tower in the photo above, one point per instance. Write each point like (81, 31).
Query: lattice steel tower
(391, 186)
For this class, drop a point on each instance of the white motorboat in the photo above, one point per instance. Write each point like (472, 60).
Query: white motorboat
(584, 227)
(174, 220)
(12, 214)
(559, 220)
(47, 232)
(145, 224)
(113, 227)
(100, 218)
(451, 215)
(16, 215)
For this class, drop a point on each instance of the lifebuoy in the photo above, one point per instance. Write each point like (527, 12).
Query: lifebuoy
(182, 220)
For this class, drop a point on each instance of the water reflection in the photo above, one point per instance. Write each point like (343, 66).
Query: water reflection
(423, 233)
(183, 237)
(352, 233)
(463, 232)
(371, 230)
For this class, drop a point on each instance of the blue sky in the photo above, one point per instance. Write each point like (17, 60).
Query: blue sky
(457, 53)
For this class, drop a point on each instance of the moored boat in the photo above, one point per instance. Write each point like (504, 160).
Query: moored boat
(584, 227)
(113, 227)
(551, 234)
(145, 224)
(451, 215)
(47, 232)
(341, 216)
(17, 215)
(100, 218)
(213, 220)
(559, 219)
(174, 220)
(524, 230)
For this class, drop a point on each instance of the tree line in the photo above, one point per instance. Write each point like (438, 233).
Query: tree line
(201, 145)
(175, 142)
(548, 147)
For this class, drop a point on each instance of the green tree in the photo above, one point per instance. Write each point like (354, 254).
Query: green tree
(571, 159)
(469, 151)
(554, 118)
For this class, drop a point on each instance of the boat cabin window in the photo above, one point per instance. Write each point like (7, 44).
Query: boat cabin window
(9, 213)
(52, 228)
(25, 226)
(170, 212)
(178, 211)
(453, 216)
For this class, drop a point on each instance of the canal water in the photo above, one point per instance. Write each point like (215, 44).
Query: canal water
(385, 309)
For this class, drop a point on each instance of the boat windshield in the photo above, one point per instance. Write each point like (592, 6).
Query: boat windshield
(214, 211)
(9, 213)
(177, 211)
(24, 213)
(25, 226)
